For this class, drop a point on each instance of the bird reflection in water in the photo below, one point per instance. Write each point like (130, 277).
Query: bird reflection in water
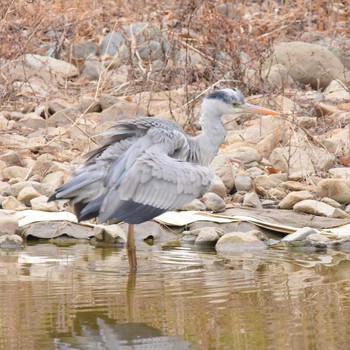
(93, 330)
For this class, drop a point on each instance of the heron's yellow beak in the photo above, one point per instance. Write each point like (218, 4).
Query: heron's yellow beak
(249, 108)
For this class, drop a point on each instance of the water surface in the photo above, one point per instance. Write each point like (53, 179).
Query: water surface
(76, 296)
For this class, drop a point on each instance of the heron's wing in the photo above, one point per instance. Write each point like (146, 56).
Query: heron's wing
(147, 181)
(87, 182)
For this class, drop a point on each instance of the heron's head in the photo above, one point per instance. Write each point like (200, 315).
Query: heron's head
(232, 101)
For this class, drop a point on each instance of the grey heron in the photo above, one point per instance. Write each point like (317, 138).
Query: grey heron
(149, 165)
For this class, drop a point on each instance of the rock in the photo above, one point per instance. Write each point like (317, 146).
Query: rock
(297, 186)
(307, 122)
(208, 236)
(92, 69)
(293, 198)
(314, 207)
(196, 205)
(51, 65)
(55, 229)
(41, 203)
(64, 117)
(331, 202)
(253, 172)
(14, 171)
(263, 183)
(298, 235)
(251, 199)
(305, 158)
(337, 141)
(317, 240)
(56, 105)
(305, 63)
(243, 183)
(11, 203)
(32, 121)
(11, 158)
(54, 179)
(337, 91)
(11, 241)
(16, 188)
(27, 194)
(213, 202)
(244, 154)
(121, 110)
(152, 230)
(218, 187)
(111, 43)
(337, 189)
(340, 173)
(8, 225)
(222, 167)
(150, 51)
(278, 76)
(239, 242)
(276, 193)
(111, 234)
(83, 49)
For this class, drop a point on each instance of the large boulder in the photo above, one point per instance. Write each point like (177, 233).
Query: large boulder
(307, 63)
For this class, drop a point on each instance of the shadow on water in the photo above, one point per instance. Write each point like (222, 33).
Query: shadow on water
(76, 296)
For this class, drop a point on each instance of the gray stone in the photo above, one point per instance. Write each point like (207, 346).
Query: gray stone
(207, 235)
(317, 240)
(213, 202)
(11, 241)
(150, 51)
(32, 121)
(64, 117)
(337, 189)
(55, 229)
(111, 43)
(84, 49)
(308, 63)
(278, 76)
(251, 199)
(50, 64)
(243, 183)
(299, 235)
(92, 69)
(239, 242)
(293, 198)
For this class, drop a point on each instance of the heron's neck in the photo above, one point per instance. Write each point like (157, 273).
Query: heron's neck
(212, 136)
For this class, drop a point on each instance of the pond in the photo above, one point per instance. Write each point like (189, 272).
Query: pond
(76, 296)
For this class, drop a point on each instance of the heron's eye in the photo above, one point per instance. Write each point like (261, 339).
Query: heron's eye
(235, 104)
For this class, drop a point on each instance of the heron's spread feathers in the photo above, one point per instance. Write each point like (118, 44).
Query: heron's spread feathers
(142, 166)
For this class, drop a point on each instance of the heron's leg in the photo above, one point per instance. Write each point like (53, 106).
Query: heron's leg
(131, 248)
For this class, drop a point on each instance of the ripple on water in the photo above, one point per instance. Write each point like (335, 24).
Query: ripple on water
(274, 299)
